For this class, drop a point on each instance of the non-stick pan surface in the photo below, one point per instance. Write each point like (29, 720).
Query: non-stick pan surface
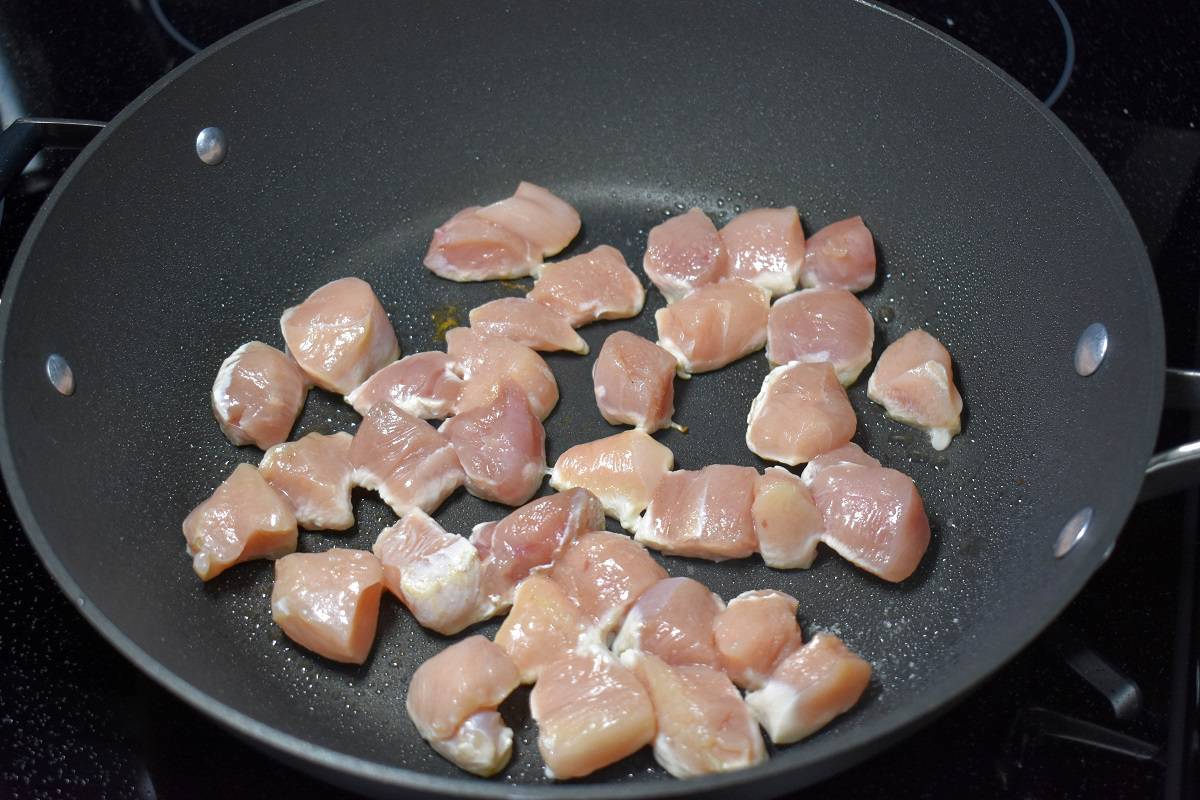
(355, 127)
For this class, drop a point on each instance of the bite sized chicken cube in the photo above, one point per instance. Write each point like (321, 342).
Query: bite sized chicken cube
(847, 454)
(840, 256)
(703, 513)
(526, 322)
(714, 325)
(621, 470)
(809, 688)
(410, 464)
(634, 382)
(766, 247)
(536, 214)
(684, 253)
(313, 474)
(469, 247)
(754, 633)
(340, 335)
(425, 385)
(501, 447)
(452, 700)
(703, 724)
(822, 325)
(787, 523)
(329, 602)
(544, 626)
(673, 620)
(589, 287)
(590, 712)
(914, 382)
(258, 394)
(801, 412)
(487, 363)
(605, 573)
(244, 519)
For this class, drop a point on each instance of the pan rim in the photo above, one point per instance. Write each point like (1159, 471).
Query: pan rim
(814, 762)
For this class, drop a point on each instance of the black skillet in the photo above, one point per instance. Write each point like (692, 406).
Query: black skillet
(353, 127)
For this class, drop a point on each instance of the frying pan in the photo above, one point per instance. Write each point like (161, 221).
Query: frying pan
(353, 127)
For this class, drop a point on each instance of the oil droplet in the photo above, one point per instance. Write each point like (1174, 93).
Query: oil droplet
(516, 286)
(886, 314)
(444, 318)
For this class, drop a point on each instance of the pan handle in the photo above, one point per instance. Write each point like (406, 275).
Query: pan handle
(22, 140)
(1178, 468)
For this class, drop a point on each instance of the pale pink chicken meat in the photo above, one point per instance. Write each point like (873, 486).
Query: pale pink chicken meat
(914, 382)
(801, 412)
(340, 335)
(410, 464)
(469, 247)
(621, 470)
(242, 520)
(537, 215)
(329, 602)
(543, 626)
(703, 514)
(530, 540)
(766, 247)
(809, 688)
(787, 523)
(425, 385)
(684, 253)
(313, 474)
(714, 325)
(874, 517)
(258, 394)
(501, 447)
(673, 620)
(822, 325)
(434, 573)
(754, 633)
(452, 700)
(605, 573)
(526, 322)
(590, 712)
(840, 256)
(487, 363)
(589, 287)
(703, 724)
(847, 454)
(634, 382)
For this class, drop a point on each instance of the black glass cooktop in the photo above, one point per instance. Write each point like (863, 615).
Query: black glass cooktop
(1102, 705)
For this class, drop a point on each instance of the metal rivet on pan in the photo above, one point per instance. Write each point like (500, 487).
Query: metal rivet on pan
(60, 375)
(1073, 532)
(211, 145)
(1091, 348)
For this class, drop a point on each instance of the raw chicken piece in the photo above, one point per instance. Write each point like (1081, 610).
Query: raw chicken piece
(914, 382)
(822, 325)
(704, 725)
(590, 286)
(536, 215)
(329, 602)
(683, 253)
(501, 447)
(531, 539)
(809, 688)
(621, 470)
(452, 699)
(434, 573)
(591, 712)
(526, 322)
(766, 247)
(468, 247)
(848, 454)
(605, 573)
(244, 519)
(714, 325)
(787, 523)
(840, 256)
(543, 626)
(403, 458)
(754, 633)
(313, 475)
(634, 382)
(874, 518)
(257, 395)
(673, 619)
(801, 412)
(703, 514)
(340, 335)
(424, 385)
(488, 362)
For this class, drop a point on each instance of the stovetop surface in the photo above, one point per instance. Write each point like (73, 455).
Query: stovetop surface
(77, 720)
